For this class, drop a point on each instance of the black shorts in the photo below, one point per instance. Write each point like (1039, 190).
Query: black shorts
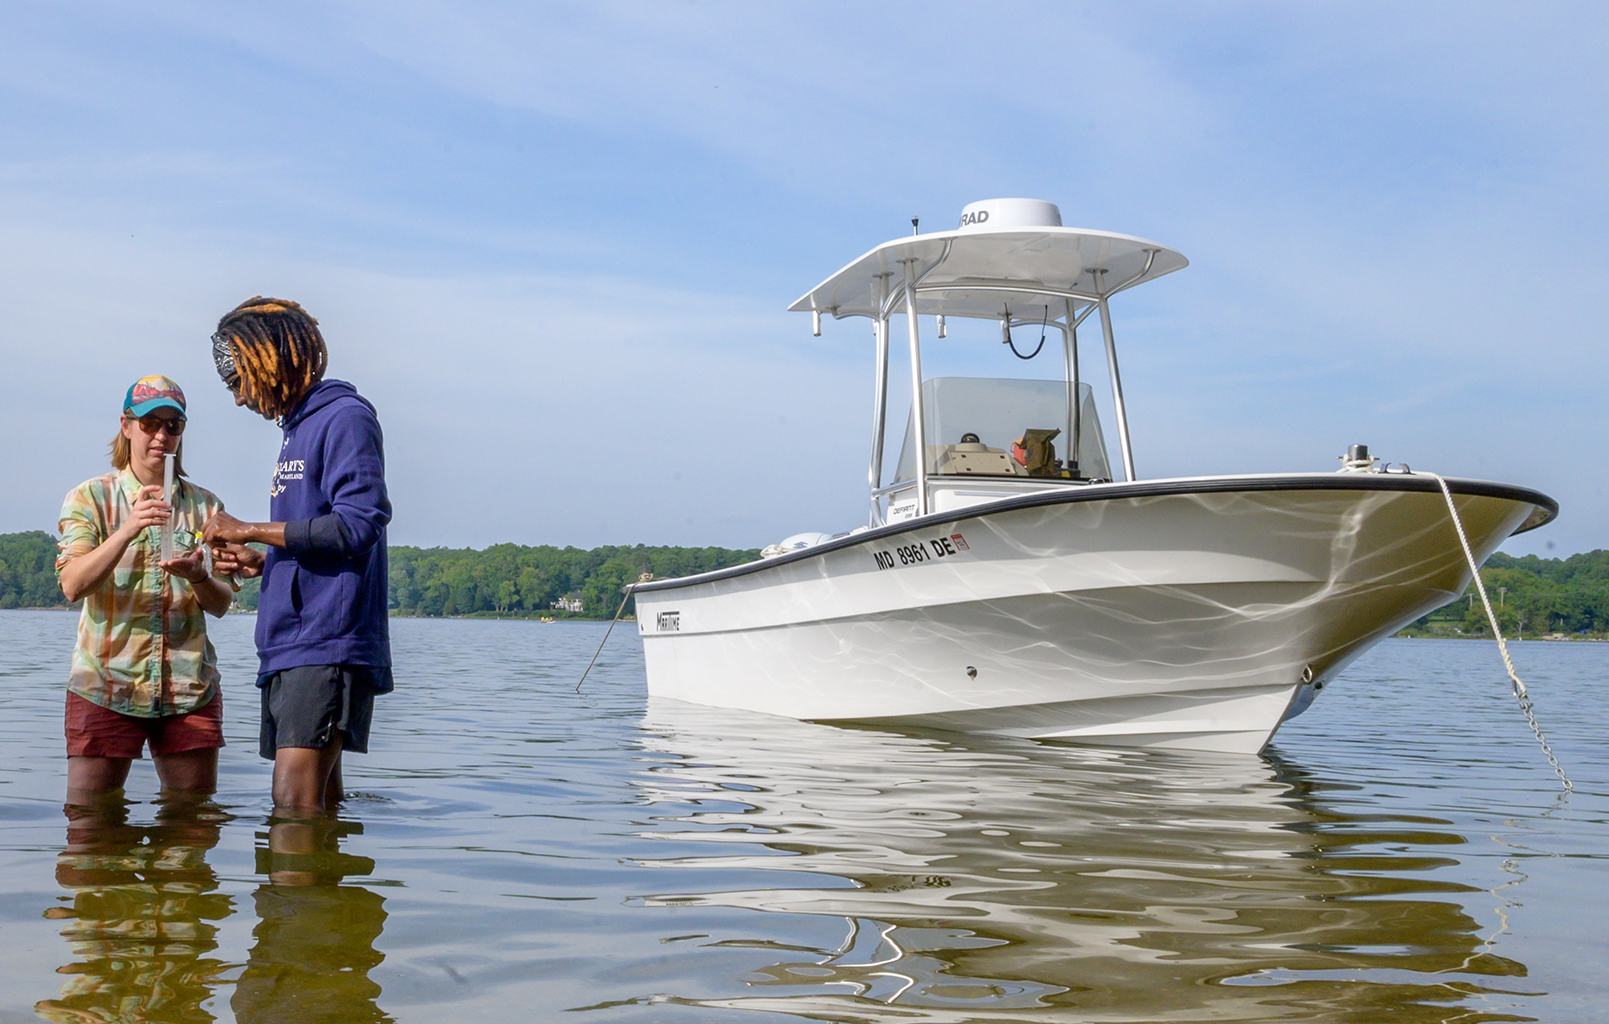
(306, 706)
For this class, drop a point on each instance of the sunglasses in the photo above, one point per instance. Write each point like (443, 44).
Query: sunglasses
(152, 425)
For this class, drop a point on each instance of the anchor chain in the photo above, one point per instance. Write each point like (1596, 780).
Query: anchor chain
(628, 588)
(1521, 695)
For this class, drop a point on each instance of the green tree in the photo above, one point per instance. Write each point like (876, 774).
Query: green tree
(502, 579)
(28, 571)
(508, 592)
(1476, 623)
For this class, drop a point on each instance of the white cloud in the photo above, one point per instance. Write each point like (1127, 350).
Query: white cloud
(574, 228)
(580, 411)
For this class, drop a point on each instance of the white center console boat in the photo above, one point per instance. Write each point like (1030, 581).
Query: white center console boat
(1000, 588)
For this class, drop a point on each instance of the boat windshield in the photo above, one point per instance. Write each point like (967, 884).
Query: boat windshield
(973, 422)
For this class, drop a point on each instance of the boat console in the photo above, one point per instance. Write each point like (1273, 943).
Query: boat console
(991, 418)
(1009, 261)
(1010, 437)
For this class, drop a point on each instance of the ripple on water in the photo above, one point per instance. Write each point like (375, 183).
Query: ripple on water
(513, 850)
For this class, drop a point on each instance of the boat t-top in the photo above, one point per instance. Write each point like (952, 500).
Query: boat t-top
(1007, 581)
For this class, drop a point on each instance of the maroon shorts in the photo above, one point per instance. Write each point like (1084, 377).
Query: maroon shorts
(94, 731)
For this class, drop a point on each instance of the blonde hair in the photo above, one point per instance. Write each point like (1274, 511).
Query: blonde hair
(121, 449)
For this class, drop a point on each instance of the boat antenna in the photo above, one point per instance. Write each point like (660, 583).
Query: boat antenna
(914, 222)
(1005, 329)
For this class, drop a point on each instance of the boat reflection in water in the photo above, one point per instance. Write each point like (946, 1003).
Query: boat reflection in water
(142, 921)
(991, 878)
(145, 912)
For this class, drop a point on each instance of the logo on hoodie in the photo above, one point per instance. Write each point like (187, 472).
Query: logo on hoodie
(286, 469)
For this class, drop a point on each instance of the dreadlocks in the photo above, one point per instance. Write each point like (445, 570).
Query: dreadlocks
(270, 351)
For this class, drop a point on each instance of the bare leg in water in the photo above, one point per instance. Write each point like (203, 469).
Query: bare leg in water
(307, 787)
(190, 774)
(307, 780)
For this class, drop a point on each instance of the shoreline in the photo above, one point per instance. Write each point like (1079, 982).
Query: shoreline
(566, 617)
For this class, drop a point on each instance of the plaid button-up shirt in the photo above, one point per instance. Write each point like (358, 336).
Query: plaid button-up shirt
(142, 640)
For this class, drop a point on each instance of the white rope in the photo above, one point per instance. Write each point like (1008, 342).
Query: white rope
(1520, 693)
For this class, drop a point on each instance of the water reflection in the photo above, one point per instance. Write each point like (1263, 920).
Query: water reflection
(313, 946)
(979, 879)
(141, 923)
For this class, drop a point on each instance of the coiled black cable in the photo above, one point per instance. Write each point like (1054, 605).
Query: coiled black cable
(1013, 345)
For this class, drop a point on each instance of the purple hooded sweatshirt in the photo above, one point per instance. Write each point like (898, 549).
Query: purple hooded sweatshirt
(324, 599)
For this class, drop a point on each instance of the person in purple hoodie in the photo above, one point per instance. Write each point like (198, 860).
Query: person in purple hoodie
(323, 636)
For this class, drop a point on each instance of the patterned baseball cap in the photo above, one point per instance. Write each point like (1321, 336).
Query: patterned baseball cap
(153, 392)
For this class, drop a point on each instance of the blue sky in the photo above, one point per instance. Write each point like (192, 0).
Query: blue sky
(555, 243)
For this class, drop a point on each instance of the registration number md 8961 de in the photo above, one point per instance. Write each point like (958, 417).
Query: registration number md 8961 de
(919, 551)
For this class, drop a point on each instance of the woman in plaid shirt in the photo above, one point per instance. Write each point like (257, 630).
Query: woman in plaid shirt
(143, 669)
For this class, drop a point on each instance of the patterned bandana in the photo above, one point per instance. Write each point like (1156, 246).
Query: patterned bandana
(223, 357)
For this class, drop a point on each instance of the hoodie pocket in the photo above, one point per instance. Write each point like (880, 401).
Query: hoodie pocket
(279, 613)
(315, 598)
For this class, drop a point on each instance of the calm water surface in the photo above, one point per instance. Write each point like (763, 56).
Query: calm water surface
(515, 851)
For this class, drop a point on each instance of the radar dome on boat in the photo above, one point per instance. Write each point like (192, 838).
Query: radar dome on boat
(1009, 213)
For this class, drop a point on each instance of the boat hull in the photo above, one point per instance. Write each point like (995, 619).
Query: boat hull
(1197, 616)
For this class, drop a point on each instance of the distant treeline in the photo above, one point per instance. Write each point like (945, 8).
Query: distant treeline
(505, 579)
(28, 571)
(516, 580)
(1534, 595)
